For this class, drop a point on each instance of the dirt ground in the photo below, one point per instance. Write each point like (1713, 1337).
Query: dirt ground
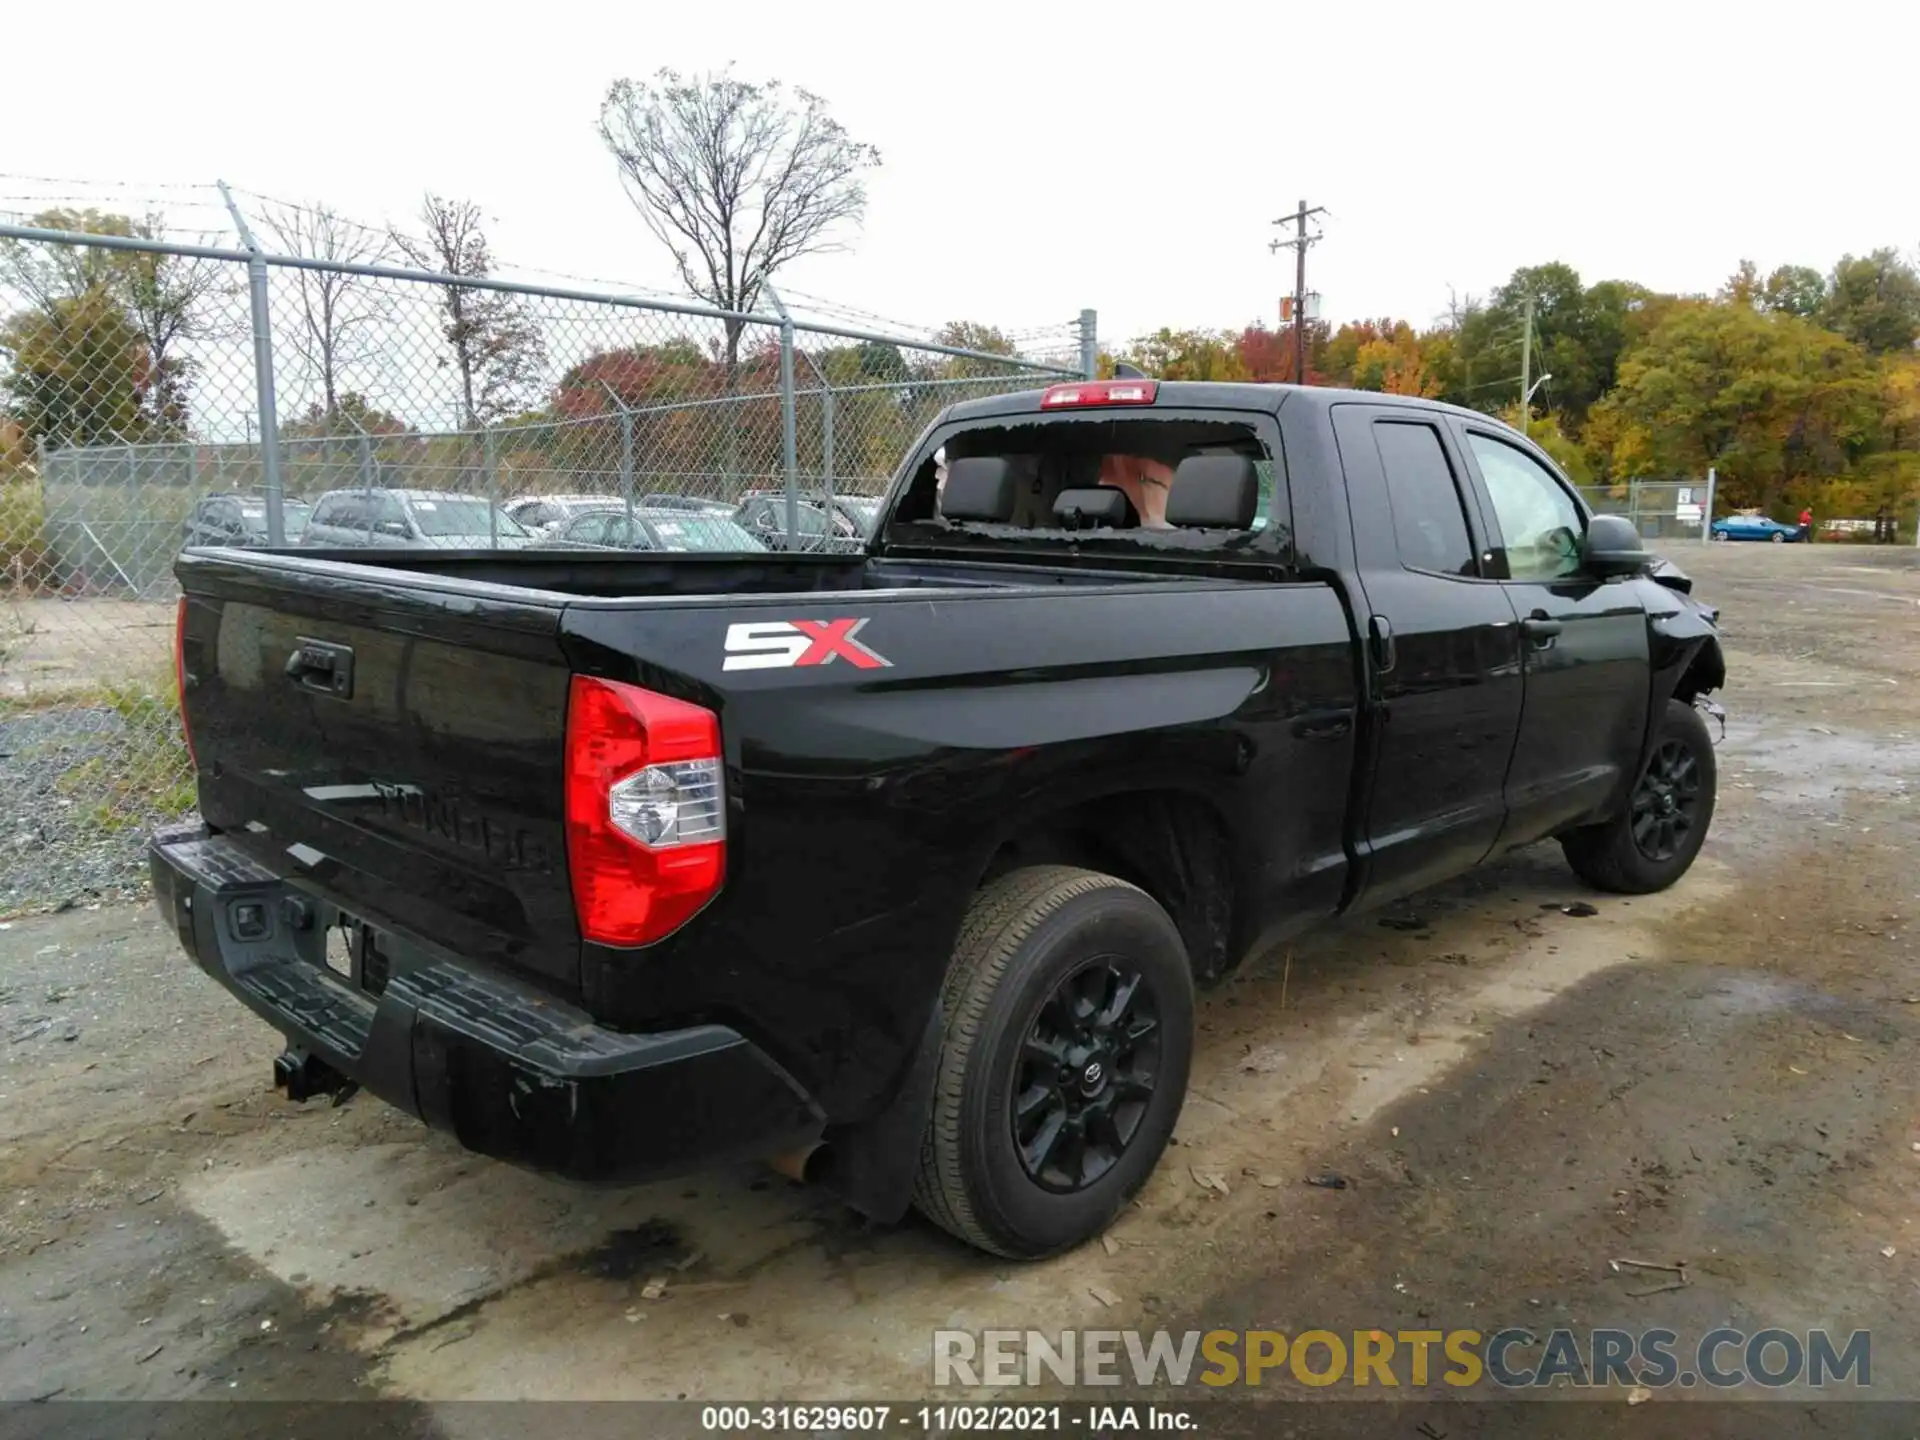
(1723, 1074)
(52, 645)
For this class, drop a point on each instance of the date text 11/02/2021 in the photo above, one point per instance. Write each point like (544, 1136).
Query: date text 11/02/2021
(946, 1419)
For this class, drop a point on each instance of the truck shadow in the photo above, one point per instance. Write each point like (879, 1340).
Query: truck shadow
(495, 1282)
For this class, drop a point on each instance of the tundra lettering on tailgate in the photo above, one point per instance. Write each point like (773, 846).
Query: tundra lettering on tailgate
(781, 644)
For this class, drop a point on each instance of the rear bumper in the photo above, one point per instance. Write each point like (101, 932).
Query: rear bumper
(511, 1072)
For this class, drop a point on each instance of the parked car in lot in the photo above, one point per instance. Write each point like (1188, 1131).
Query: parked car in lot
(545, 514)
(434, 519)
(230, 519)
(698, 503)
(904, 865)
(818, 523)
(1756, 527)
(650, 529)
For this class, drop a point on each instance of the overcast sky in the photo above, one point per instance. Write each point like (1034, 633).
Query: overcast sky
(1040, 158)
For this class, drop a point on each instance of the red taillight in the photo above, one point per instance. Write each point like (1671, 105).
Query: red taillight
(180, 677)
(646, 810)
(1100, 392)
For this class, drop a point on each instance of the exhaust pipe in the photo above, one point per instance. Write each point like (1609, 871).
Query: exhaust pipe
(805, 1165)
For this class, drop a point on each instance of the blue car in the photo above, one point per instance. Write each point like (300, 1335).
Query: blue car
(1755, 527)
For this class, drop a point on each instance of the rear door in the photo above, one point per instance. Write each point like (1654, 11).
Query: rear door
(1444, 650)
(1583, 642)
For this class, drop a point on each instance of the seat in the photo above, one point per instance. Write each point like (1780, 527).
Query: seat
(980, 487)
(1220, 492)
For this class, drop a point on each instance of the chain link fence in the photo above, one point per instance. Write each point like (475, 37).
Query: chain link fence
(1672, 510)
(156, 394)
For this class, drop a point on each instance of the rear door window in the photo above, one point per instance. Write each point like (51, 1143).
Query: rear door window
(1429, 518)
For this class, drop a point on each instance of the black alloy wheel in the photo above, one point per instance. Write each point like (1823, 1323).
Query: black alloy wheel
(1085, 1075)
(1666, 802)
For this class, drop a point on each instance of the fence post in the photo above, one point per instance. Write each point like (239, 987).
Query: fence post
(1706, 515)
(490, 481)
(789, 443)
(626, 447)
(826, 440)
(262, 375)
(1089, 343)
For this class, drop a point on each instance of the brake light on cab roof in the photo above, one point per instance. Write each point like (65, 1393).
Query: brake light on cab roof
(1100, 392)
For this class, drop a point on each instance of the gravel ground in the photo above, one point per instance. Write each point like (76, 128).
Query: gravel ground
(60, 849)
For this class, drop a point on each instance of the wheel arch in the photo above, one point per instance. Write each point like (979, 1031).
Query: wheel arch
(1174, 844)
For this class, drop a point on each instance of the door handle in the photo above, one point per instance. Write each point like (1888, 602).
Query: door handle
(1380, 641)
(317, 665)
(1541, 628)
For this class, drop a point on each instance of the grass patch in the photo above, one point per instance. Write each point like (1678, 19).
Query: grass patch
(142, 771)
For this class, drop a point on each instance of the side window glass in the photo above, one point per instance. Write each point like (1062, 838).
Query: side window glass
(1538, 520)
(1429, 524)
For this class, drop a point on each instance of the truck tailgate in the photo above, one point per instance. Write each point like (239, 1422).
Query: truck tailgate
(395, 744)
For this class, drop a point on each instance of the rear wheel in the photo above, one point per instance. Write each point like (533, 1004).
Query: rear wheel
(1653, 842)
(1779, 537)
(1721, 535)
(1069, 1011)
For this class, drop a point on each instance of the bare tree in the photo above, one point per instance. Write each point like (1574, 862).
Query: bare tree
(337, 313)
(736, 180)
(496, 347)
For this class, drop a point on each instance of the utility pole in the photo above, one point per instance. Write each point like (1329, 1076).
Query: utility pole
(1526, 365)
(1298, 244)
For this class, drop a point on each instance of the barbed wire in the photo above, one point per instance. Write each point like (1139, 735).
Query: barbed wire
(1060, 338)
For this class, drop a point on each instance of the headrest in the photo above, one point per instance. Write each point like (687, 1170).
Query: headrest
(1216, 491)
(980, 487)
(1100, 505)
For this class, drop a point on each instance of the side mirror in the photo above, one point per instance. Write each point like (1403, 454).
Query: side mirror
(1613, 548)
(395, 528)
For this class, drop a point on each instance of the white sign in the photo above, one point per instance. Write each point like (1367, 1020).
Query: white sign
(1688, 512)
(1684, 498)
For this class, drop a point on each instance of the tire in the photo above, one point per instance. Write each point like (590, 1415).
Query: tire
(1042, 950)
(1779, 537)
(1671, 806)
(1722, 536)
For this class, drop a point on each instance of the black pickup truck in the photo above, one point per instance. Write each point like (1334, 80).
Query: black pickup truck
(903, 866)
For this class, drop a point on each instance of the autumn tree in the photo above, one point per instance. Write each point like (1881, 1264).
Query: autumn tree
(1187, 355)
(337, 314)
(349, 414)
(737, 180)
(78, 371)
(1769, 400)
(493, 345)
(169, 300)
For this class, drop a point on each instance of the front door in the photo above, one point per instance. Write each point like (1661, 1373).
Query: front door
(1443, 652)
(1583, 643)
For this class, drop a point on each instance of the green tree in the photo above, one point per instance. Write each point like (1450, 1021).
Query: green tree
(1875, 301)
(1795, 290)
